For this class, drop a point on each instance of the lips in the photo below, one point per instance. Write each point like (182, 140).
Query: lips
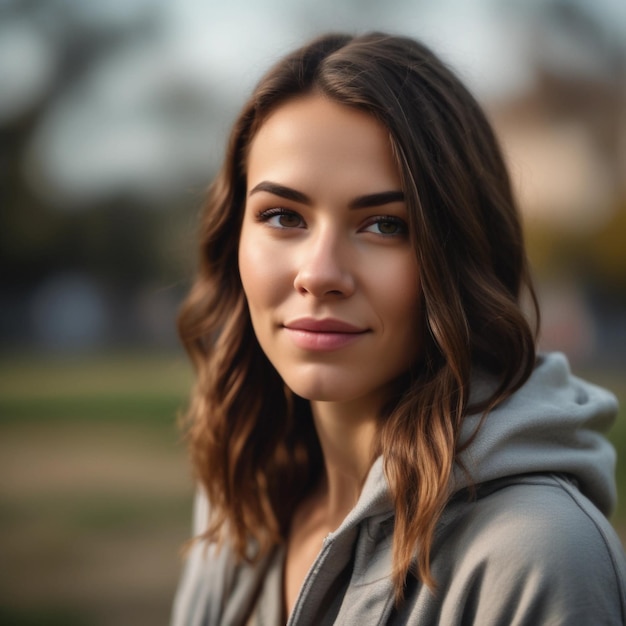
(323, 335)
(328, 325)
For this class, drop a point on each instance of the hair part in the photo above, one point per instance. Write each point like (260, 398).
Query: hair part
(252, 441)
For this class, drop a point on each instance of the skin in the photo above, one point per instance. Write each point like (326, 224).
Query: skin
(324, 237)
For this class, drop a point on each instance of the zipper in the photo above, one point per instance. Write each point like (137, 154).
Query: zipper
(309, 579)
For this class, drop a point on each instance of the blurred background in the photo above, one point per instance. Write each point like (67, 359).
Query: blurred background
(113, 117)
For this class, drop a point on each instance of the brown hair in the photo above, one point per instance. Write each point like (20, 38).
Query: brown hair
(254, 458)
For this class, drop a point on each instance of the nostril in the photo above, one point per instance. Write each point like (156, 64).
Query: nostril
(324, 271)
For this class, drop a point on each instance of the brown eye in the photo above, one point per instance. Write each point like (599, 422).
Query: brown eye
(289, 220)
(281, 218)
(387, 225)
(388, 228)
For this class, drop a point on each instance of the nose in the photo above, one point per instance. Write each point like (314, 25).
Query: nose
(325, 267)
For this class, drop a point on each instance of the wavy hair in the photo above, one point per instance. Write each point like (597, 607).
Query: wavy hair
(252, 441)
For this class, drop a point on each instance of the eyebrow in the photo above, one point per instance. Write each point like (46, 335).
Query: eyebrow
(362, 202)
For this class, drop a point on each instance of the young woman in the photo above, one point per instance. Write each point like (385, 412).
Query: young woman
(375, 439)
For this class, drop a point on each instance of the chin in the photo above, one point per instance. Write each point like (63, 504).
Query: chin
(320, 389)
(331, 389)
(320, 393)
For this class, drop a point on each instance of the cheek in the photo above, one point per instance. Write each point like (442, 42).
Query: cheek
(398, 286)
(261, 275)
(403, 314)
(251, 269)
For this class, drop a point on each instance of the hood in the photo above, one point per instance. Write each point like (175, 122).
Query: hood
(553, 423)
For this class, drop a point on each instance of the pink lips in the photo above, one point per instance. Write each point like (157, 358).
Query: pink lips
(324, 334)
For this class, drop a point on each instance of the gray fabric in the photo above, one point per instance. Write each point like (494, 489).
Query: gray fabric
(554, 423)
(532, 548)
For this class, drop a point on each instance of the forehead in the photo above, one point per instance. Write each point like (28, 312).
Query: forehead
(316, 137)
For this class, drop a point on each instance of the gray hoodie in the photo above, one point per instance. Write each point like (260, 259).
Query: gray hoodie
(532, 547)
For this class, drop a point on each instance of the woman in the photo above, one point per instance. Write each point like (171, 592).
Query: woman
(375, 438)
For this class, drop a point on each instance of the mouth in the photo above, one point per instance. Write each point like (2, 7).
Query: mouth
(327, 325)
(323, 335)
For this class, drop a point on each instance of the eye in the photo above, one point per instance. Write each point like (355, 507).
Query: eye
(281, 218)
(387, 225)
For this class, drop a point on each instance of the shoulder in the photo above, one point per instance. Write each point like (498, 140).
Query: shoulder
(536, 541)
(205, 575)
(537, 521)
(215, 586)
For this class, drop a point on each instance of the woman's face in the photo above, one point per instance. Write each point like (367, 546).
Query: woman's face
(326, 264)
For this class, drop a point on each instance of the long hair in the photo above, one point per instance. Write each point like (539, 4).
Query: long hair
(252, 441)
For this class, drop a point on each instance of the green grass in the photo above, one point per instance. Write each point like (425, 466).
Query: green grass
(110, 387)
(156, 407)
(95, 490)
(32, 375)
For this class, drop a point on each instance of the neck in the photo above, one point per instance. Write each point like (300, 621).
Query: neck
(347, 434)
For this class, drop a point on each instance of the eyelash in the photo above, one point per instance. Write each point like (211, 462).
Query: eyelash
(267, 214)
(390, 219)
